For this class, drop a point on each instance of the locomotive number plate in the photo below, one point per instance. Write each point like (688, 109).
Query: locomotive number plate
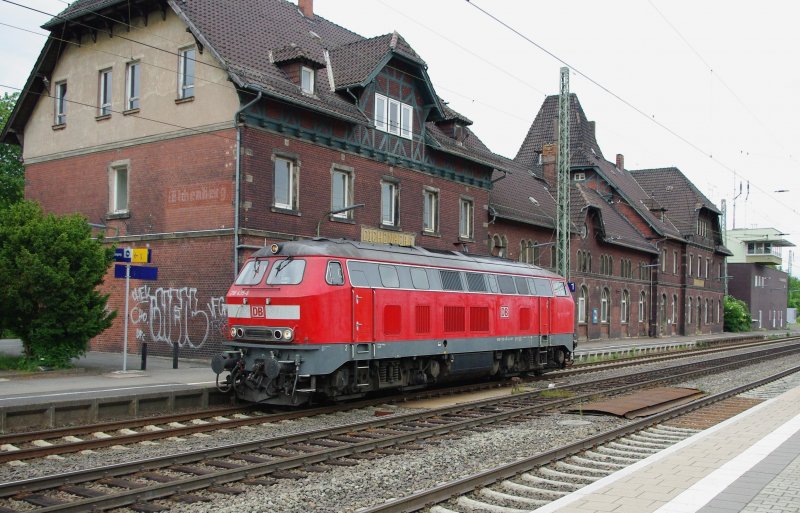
(257, 311)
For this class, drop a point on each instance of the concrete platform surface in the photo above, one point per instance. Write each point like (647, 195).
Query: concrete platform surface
(749, 463)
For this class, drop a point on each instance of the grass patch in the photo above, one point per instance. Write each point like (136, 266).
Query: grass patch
(556, 394)
(17, 363)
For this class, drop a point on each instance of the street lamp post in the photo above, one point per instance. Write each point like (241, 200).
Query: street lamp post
(337, 211)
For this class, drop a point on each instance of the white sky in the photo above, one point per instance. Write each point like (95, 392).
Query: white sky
(722, 75)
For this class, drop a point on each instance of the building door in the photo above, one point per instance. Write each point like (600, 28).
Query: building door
(363, 315)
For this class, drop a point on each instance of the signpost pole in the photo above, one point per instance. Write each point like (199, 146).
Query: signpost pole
(125, 334)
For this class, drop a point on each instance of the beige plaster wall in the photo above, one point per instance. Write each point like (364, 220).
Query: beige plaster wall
(156, 47)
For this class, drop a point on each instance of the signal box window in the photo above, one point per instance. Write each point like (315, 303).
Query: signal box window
(186, 65)
(342, 192)
(118, 187)
(389, 203)
(334, 274)
(285, 184)
(466, 211)
(61, 103)
(252, 272)
(430, 211)
(132, 78)
(104, 96)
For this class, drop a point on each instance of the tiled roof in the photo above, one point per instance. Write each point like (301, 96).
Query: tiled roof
(671, 188)
(450, 114)
(242, 35)
(544, 130)
(354, 63)
(508, 198)
(616, 228)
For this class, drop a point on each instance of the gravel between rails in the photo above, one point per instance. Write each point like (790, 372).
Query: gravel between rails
(344, 489)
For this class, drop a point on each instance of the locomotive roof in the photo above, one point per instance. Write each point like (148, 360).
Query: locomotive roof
(413, 255)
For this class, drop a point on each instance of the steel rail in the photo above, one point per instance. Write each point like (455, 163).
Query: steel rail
(197, 482)
(465, 485)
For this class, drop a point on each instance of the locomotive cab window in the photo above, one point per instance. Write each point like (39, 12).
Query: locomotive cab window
(543, 287)
(560, 289)
(253, 272)
(286, 272)
(334, 274)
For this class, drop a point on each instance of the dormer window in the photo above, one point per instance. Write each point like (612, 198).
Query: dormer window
(307, 80)
(393, 116)
(579, 177)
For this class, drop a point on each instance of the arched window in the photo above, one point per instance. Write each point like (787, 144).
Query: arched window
(674, 309)
(689, 312)
(699, 310)
(604, 305)
(719, 307)
(642, 302)
(584, 293)
(535, 252)
(499, 245)
(663, 309)
(523, 251)
(705, 312)
(624, 306)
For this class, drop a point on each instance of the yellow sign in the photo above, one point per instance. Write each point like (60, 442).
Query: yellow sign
(140, 255)
(378, 236)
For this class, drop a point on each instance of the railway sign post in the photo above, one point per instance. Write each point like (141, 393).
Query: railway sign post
(137, 272)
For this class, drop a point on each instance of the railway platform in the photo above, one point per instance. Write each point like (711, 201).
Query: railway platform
(749, 463)
(98, 388)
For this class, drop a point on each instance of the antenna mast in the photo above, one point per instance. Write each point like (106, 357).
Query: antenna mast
(562, 178)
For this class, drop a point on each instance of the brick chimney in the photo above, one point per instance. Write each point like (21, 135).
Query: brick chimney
(549, 153)
(620, 161)
(306, 7)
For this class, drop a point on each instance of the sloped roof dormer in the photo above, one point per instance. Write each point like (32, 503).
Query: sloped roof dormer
(292, 54)
(357, 64)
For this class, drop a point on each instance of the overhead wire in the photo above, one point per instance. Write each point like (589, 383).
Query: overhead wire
(625, 102)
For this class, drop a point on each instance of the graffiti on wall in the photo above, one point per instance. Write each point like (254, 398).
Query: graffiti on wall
(176, 316)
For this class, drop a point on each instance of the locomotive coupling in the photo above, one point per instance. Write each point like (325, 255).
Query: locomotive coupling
(225, 361)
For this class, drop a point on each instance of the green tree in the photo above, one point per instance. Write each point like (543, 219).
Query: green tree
(794, 292)
(50, 268)
(737, 315)
(12, 173)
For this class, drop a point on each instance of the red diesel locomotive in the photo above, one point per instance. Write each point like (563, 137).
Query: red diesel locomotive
(336, 319)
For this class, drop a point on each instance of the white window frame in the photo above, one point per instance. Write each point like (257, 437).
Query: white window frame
(390, 197)
(291, 185)
(186, 72)
(394, 117)
(674, 309)
(60, 116)
(306, 80)
(582, 304)
(466, 216)
(116, 202)
(674, 262)
(430, 210)
(642, 301)
(133, 85)
(604, 305)
(342, 191)
(104, 92)
(624, 307)
(578, 177)
(689, 307)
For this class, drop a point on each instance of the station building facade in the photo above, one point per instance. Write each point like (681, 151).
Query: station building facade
(189, 128)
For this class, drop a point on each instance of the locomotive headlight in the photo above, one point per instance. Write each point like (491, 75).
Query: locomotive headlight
(233, 332)
(287, 334)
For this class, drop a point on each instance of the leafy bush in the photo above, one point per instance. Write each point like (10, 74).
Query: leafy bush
(50, 268)
(737, 316)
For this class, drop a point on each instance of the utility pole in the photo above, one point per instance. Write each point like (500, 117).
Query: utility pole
(562, 178)
(724, 234)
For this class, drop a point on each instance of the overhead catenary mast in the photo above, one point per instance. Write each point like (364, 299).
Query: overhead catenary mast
(562, 179)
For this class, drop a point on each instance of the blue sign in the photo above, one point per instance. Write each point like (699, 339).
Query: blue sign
(138, 272)
(136, 255)
(120, 256)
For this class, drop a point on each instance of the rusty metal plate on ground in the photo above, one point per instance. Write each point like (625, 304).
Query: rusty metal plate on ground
(644, 403)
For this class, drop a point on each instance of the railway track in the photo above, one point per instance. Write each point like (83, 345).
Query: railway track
(536, 481)
(146, 485)
(39, 444)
